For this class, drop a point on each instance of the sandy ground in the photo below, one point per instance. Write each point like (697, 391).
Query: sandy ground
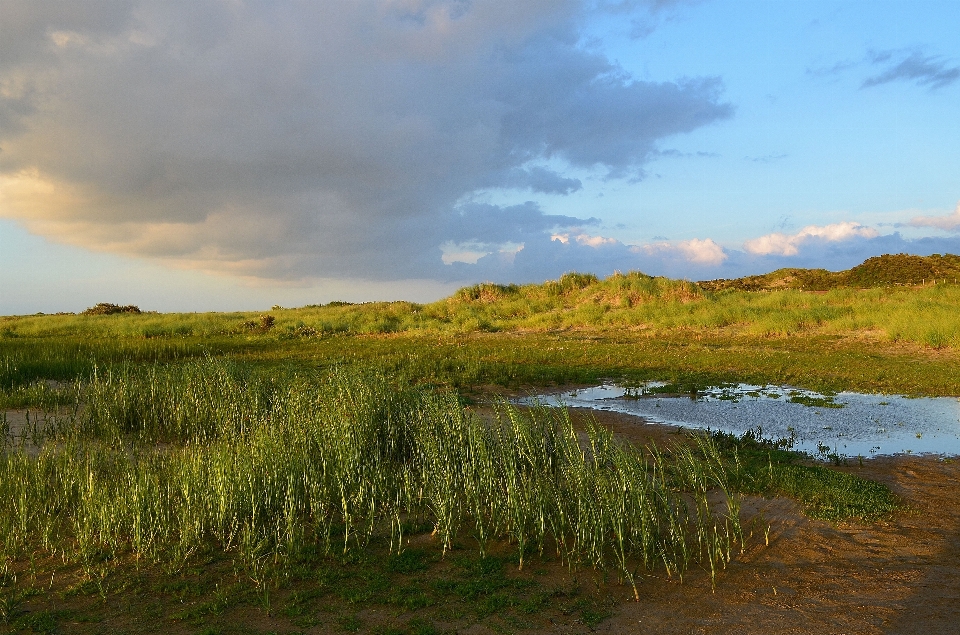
(897, 576)
(20, 425)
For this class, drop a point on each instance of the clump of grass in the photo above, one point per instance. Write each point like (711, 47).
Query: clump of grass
(769, 468)
(814, 402)
(264, 465)
(262, 324)
(832, 495)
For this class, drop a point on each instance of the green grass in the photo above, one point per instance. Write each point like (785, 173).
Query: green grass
(474, 362)
(266, 480)
(768, 468)
(855, 303)
(278, 470)
(576, 329)
(262, 463)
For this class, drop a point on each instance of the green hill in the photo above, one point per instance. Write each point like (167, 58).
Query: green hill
(879, 271)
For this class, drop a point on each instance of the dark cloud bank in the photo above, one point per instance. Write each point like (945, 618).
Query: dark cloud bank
(297, 140)
(302, 139)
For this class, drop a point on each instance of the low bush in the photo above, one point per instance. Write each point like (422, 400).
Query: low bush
(105, 308)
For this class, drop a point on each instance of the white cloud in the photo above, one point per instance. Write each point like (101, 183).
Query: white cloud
(780, 244)
(950, 222)
(704, 251)
(595, 241)
(456, 252)
(701, 251)
(584, 239)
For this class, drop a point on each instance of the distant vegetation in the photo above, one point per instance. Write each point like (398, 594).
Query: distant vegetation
(895, 298)
(880, 271)
(105, 308)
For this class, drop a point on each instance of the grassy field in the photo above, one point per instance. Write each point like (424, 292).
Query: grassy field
(906, 298)
(316, 462)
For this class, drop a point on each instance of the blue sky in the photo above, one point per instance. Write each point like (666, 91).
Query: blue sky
(218, 156)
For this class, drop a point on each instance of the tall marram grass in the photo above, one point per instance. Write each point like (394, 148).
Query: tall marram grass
(164, 462)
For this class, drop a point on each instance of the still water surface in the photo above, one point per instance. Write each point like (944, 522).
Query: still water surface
(847, 423)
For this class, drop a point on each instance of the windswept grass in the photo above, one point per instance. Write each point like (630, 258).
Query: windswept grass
(264, 466)
(43, 372)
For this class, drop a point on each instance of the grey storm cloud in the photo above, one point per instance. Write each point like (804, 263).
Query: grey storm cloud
(924, 70)
(537, 179)
(297, 139)
(494, 224)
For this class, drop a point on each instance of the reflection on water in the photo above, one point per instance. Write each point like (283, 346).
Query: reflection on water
(848, 423)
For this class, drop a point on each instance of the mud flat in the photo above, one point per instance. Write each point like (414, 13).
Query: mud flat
(899, 575)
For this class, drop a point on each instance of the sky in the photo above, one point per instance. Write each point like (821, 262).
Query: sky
(227, 155)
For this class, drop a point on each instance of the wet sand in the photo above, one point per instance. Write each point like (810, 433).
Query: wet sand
(901, 575)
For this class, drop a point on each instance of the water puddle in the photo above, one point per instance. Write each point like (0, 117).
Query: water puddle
(845, 424)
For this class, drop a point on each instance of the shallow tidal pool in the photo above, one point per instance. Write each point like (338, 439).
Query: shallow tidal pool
(845, 424)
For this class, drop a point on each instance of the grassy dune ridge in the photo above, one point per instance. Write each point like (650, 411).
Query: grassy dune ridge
(925, 315)
(880, 271)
